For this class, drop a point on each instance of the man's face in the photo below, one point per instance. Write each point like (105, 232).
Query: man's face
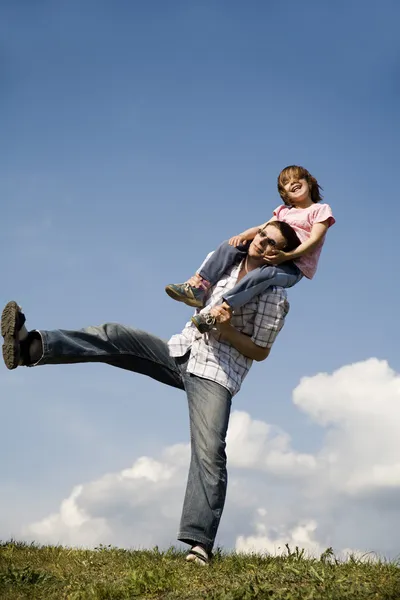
(267, 242)
(297, 190)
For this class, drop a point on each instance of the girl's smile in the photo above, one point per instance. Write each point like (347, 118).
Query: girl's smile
(298, 191)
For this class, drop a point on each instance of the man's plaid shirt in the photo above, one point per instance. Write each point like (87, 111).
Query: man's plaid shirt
(262, 319)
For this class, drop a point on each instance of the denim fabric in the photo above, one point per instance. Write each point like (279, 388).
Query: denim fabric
(224, 257)
(209, 410)
(254, 283)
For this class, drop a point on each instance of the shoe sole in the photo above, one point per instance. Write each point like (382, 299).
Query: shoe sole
(182, 298)
(9, 332)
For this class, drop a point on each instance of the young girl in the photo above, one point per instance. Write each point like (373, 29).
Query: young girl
(310, 219)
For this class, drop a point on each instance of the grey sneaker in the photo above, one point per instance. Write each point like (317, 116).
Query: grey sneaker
(13, 331)
(204, 322)
(183, 292)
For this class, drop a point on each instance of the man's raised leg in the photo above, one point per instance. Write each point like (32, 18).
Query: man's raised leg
(111, 343)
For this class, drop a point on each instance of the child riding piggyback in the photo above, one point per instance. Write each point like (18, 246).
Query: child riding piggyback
(309, 219)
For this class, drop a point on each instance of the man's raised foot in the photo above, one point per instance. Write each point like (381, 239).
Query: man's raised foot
(14, 332)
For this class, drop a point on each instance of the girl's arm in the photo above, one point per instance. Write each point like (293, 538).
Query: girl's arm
(318, 233)
(248, 235)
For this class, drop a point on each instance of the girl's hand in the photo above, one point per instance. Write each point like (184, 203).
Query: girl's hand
(236, 240)
(277, 257)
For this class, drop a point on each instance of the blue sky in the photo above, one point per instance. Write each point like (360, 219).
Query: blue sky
(137, 136)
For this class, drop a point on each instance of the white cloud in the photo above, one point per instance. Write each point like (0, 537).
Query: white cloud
(72, 525)
(138, 506)
(367, 389)
(267, 541)
(346, 495)
(256, 445)
(359, 405)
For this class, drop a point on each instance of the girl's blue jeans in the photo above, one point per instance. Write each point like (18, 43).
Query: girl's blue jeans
(254, 283)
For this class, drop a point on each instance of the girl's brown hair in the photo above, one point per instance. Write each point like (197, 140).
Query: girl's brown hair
(298, 173)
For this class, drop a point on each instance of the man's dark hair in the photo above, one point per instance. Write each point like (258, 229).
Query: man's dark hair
(291, 237)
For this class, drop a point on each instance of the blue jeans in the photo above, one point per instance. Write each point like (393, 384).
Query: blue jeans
(209, 410)
(254, 283)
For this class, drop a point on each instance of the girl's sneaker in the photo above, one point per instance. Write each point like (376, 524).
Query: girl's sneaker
(204, 322)
(183, 292)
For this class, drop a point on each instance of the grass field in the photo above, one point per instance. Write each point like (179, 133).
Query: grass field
(106, 573)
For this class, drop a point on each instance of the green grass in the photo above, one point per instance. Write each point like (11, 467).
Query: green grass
(106, 573)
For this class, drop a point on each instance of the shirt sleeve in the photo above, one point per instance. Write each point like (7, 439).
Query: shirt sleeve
(270, 317)
(322, 213)
(280, 211)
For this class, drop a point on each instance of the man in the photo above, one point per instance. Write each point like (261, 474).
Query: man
(209, 368)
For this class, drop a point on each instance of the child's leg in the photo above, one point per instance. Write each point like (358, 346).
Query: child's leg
(252, 284)
(257, 281)
(194, 291)
(225, 256)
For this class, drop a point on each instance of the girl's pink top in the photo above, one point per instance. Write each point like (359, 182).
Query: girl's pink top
(302, 220)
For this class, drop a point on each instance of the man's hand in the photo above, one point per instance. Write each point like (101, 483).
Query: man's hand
(225, 331)
(222, 314)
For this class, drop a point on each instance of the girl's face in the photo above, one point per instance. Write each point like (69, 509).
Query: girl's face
(298, 191)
